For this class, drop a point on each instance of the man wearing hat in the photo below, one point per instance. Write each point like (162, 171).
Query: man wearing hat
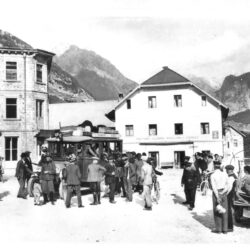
(21, 172)
(220, 186)
(94, 178)
(29, 164)
(189, 180)
(147, 178)
(72, 177)
(48, 172)
(110, 178)
(230, 194)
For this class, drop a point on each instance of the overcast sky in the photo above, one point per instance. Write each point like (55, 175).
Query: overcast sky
(208, 38)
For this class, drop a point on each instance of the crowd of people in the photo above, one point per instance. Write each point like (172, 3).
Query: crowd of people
(124, 174)
(116, 174)
(223, 182)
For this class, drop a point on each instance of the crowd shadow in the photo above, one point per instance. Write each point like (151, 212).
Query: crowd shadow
(177, 199)
(206, 219)
(4, 194)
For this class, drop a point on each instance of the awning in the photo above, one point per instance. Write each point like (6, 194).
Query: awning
(46, 133)
(72, 139)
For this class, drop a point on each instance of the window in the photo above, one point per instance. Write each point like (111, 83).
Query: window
(203, 101)
(235, 143)
(39, 108)
(11, 71)
(178, 128)
(39, 73)
(228, 145)
(152, 102)
(177, 101)
(152, 129)
(205, 128)
(11, 148)
(11, 108)
(128, 104)
(129, 130)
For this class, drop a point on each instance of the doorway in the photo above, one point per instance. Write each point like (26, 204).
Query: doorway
(155, 155)
(179, 158)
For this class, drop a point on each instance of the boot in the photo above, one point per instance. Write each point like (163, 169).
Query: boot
(51, 197)
(45, 198)
(98, 198)
(94, 199)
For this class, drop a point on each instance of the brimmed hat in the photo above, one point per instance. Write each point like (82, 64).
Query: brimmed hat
(95, 158)
(229, 167)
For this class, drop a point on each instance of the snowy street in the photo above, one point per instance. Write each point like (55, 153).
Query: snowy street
(123, 222)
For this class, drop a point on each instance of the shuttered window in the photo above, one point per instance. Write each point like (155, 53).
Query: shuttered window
(11, 71)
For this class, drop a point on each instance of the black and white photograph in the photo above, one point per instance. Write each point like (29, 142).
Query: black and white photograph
(124, 123)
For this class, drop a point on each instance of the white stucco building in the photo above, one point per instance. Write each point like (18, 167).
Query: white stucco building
(23, 101)
(169, 117)
(233, 147)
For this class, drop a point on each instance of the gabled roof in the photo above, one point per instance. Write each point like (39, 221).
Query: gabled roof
(68, 114)
(167, 75)
(242, 133)
(161, 79)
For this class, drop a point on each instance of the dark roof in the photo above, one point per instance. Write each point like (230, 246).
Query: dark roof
(167, 75)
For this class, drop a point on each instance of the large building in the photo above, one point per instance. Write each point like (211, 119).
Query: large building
(233, 148)
(23, 100)
(169, 117)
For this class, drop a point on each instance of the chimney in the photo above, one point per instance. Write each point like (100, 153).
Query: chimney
(165, 67)
(120, 96)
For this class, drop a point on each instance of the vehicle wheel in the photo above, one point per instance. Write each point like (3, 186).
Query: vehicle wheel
(30, 187)
(238, 212)
(63, 190)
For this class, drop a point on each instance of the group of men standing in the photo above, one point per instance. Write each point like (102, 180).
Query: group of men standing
(222, 181)
(122, 173)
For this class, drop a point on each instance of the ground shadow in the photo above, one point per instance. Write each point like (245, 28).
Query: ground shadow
(140, 201)
(4, 194)
(206, 219)
(177, 199)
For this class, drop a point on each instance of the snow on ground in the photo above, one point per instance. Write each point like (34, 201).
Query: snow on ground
(123, 222)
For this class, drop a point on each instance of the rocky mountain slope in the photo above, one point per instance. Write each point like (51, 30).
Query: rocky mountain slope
(235, 93)
(94, 73)
(62, 86)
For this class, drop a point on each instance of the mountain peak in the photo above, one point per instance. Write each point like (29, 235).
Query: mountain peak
(10, 41)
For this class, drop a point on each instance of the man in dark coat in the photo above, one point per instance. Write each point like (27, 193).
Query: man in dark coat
(189, 181)
(48, 173)
(29, 164)
(21, 173)
(110, 179)
(72, 176)
(230, 195)
(120, 163)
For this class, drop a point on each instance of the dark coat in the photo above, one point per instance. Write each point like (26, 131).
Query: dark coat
(72, 174)
(22, 170)
(110, 173)
(48, 171)
(190, 177)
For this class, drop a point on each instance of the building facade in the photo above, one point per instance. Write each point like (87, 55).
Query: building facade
(233, 147)
(169, 117)
(23, 100)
